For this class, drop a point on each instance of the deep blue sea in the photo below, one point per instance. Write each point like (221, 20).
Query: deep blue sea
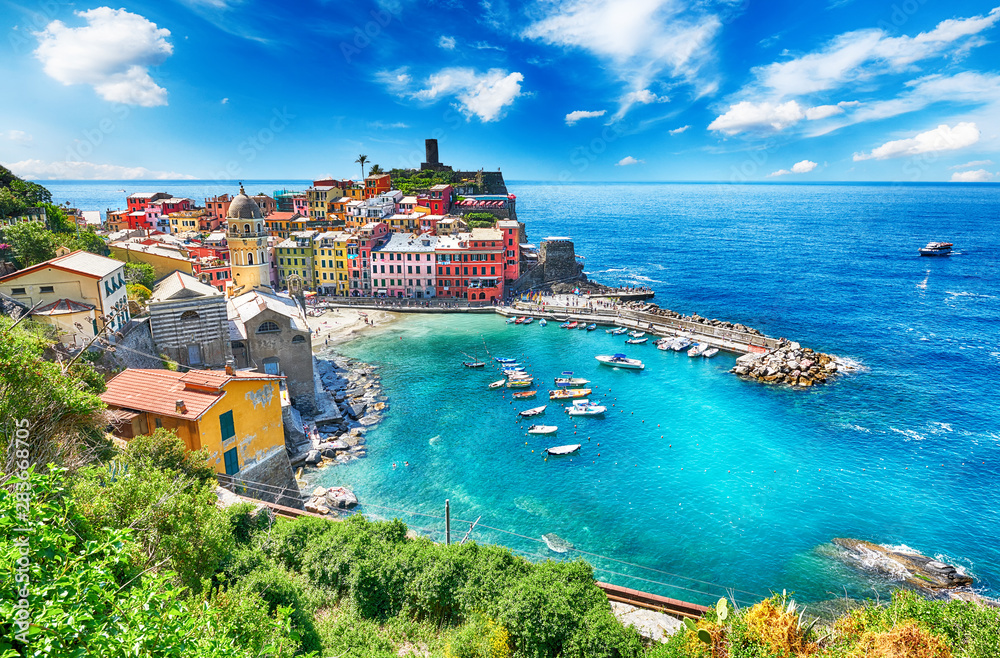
(696, 481)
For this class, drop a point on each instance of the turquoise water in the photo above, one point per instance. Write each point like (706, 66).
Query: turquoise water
(695, 474)
(749, 483)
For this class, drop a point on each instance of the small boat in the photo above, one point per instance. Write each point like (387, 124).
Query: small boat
(610, 331)
(620, 361)
(936, 249)
(585, 408)
(498, 384)
(524, 395)
(520, 383)
(572, 325)
(534, 411)
(563, 450)
(569, 393)
(571, 381)
(529, 320)
(697, 349)
(542, 429)
(512, 367)
(619, 331)
(680, 344)
(473, 364)
(499, 359)
(520, 320)
(636, 341)
(710, 352)
(591, 327)
(511, 320)
(557, 543)
(582, 326)
(637, 334)
(564, 325)
(542, 322)
(663, 346)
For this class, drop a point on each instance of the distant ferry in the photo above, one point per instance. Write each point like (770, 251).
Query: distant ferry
(936, 249)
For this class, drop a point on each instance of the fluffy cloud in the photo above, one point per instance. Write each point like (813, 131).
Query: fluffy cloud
(970, 165)
(18, 136)
(638, 40)
(942, 138)
(576, 115)
(381, 125)
(678, 131)
(484, 95)
(976, 176)
(823, 111)
(746, 115)
(41, 170)
(446, 43)
(863, 54)
(628, 160)
(112, 53)
(802, 167)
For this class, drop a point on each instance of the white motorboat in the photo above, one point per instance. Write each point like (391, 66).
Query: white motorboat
(542, 322)
(535, 411)
(936, 249)
(620, 361)
(511, 320)
(697, 349)
(571, 382)
(585, 408)
(563, 450)
(710, 352)
(637, 334)
(542, 429)
(498, 384)
(680, 344)
(636, 341)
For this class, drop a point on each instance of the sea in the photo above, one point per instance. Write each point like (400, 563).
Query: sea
(701, 485)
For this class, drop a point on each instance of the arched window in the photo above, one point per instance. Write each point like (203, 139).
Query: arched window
(268, 328)
(482, 295)
(299, 339)
(246, 228)
(189, 316)
(238, 345)
(258, 228)
(250, 258)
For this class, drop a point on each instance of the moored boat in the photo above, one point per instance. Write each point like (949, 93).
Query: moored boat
(571, 381)
(637, 334)
(520, 320)
(520, 383)
(529, 320)
(473, 364)
(500, 359)
(582, 326)
(542, 322)
(710, 352)
(498, 384)
(591, 326)
(936, 249)
(524, 395)
(542, 429)
(563, 450)
(585, 408)
(636, 341)
(619, 331)
(620, 361)
(572, 325)
(698, 349)
(534, 411)
(511, 320)
(569, 393)
(680, 344)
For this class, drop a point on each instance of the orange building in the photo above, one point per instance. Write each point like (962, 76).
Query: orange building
(377, 184)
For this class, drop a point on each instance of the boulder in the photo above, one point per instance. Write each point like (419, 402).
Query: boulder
(917, 570)
(340, 498)
(315, 506)
(314, 457)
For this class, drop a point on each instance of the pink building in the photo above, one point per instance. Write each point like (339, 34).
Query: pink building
(511, 230)
(369, 236)
(403, 266)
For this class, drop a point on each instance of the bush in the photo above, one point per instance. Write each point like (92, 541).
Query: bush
(164, 450)
(280, 588)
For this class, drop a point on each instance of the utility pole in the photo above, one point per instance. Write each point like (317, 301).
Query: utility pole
(447, 522)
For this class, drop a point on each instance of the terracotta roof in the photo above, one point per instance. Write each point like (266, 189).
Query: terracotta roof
(157, 391)
(61, 306)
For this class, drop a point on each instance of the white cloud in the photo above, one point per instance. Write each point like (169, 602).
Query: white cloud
(802, 167)
(942, 138)
(576, 115)
(225, 101)
(484, 95)
(637, 39)
(970, 165)
(628, 160)
(112, 53)
(678, 131)
(746, 115)
(863, 54)
(18, 136)
(379, 125)
(446, 42)
(977, 176)
(41, 170)
(823, 111)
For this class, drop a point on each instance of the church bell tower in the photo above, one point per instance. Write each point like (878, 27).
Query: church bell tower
(247, 238)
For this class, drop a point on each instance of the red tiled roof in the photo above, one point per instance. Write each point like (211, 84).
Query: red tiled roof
(157, 391)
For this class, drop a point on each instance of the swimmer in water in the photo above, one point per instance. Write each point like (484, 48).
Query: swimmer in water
(407, 463)
(394, 464)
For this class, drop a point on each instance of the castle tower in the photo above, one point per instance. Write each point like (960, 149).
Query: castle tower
(247, 237)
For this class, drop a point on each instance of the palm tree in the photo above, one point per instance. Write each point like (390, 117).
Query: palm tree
(375, 170)
(362, 160)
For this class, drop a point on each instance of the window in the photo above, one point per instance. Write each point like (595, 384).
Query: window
(268, 328)
(18, 291)
(232, 462)
(158, 423)
(271, 366)
(226, 426)
(45, 289)
(299, 339)
(187, 316)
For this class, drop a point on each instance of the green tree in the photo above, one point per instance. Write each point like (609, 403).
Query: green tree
(31, 243)
(375, 170)
(88, 240)
(362, 160)
(141, 273)
(11, 205)
(163, 449)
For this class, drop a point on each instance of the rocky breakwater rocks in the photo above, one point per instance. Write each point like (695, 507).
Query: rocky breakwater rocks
(788, 364)
(323, 501)
(921, 572)
(653, 309)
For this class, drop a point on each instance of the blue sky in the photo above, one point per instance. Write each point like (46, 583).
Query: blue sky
(573, 90)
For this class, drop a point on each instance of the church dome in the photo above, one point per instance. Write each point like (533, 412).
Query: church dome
(243, 207)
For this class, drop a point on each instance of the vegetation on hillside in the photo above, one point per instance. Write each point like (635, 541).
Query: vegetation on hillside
(409, 181)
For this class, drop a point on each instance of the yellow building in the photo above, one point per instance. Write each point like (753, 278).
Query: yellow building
(165, 258)
(247, 238)
(234, 415)
(331, 262)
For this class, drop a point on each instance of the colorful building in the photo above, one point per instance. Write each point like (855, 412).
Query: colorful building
(164, 257)
(512, 238)
(403, 266)
(218, 206)
(234, 415)
(247, 237)
(140, 200)
(470, 265)
(377, 184)
(332, 272)
(296, 257)
(359, 257)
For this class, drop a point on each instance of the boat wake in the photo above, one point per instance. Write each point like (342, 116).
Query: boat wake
(909, 434)
(847, 364)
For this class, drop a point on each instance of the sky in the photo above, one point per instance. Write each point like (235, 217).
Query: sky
(552, 90)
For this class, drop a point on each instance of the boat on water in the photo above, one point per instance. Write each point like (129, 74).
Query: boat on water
(563, 450)
(512, 367)
(572, 325)
(498, 384)
(710, 352)
(936, 249)
(619, 331)
(557, 543)
(620, 361)
(520, 383)
(698, 349)
(563, 382)
(534, 411)
(524, 395)
(591, 326)
(542, 429)
(500, 359)
(637, 334)
(564, 325)
(520, 320)
(510, 321)
(582, 326)
(569, 393)
(473, 364)
(585, 408)
(680, 344)
(663, 346)
(542, 322)
(529, 321)
(636, 341)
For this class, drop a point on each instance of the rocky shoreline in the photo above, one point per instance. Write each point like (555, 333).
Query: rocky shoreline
(789, 364)
(654, 309)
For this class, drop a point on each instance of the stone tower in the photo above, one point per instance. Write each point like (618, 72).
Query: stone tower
(247, 237)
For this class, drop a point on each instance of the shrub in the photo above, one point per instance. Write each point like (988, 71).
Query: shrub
(163, 449)
(600, 635)
(280, 588)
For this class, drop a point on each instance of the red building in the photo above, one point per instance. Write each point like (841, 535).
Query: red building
(173, 204)
(140, 200)
(218, 206)
(470, 265)
(439, 199)
(511, 230)
(377, 184)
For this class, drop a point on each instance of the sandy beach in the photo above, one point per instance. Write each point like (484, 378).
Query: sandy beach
(342, 324)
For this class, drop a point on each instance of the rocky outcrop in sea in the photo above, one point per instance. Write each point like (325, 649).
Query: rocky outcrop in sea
(918, 571)
(788, 364)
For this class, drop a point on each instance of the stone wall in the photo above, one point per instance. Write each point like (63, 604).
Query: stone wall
(201, 321)
(556, 263)
(270, 479)
(135, 348)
